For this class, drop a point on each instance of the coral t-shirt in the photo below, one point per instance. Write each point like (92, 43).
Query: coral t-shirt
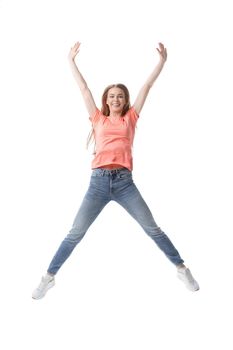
(114, 141)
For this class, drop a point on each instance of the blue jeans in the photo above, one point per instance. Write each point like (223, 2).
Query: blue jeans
(106, 185)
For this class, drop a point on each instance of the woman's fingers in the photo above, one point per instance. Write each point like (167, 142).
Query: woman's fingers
(74, 50)
(162, 51)
(76, 47)
(161, 46)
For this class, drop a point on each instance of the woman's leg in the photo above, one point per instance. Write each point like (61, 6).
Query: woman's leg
(132, 201)
(93, 202)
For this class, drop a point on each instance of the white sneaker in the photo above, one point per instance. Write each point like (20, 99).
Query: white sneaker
(185, 276)
(46, 283)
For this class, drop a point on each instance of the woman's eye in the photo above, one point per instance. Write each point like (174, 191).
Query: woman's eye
(118, 96)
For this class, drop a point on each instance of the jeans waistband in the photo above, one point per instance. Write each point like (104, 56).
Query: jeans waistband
(107, 172)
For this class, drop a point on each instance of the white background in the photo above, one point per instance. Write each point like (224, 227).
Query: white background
(117, 290)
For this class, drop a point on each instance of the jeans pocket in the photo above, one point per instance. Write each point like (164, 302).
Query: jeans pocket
(97, 173)
(125, 175)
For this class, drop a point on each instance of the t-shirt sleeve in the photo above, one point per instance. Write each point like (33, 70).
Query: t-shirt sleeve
(94, 118)
(133, 115)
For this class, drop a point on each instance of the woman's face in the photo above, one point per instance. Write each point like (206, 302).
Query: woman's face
(116, 100)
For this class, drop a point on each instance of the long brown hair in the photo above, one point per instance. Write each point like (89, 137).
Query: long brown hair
(105, 109)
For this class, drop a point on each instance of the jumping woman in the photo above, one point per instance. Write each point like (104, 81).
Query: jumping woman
(113, 128)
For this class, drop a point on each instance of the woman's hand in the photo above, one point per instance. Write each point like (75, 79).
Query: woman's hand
(162, 52)
(74, 51)
(142, 95)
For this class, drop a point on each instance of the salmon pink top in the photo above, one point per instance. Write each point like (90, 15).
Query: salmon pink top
(114, 141)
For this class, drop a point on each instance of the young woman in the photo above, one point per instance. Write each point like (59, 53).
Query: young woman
(111, 178)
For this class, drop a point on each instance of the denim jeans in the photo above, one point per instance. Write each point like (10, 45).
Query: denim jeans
(106, 185)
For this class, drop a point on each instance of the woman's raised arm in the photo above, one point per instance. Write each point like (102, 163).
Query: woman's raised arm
(86, 93)
(142, 95)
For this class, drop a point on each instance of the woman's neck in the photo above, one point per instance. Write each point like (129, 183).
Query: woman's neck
(116, 115)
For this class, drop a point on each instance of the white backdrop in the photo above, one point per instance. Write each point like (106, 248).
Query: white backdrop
(117, 290)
